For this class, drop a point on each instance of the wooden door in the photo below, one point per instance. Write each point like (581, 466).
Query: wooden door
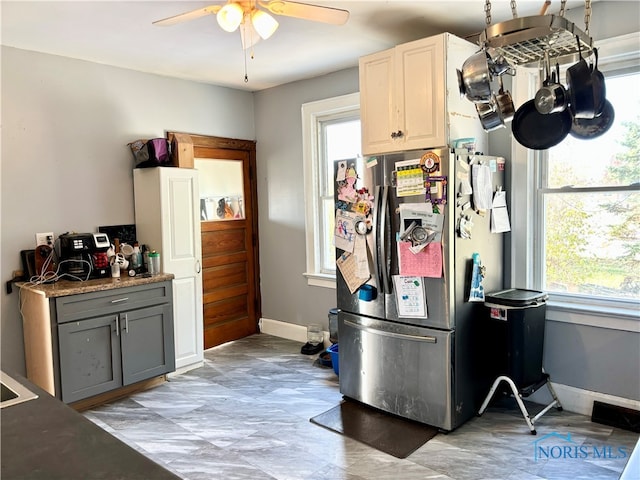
(231, 288)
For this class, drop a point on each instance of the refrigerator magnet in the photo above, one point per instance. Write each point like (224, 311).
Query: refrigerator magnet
(430, 162)
(436, 188)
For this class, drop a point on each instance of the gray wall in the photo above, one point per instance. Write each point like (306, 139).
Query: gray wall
(285, 293)
(65, 163)
(596, 359)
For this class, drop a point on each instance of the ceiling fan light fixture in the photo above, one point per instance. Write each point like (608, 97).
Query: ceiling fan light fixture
(230, 17)
(264, 23)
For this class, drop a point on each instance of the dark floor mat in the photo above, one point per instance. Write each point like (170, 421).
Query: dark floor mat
(385, 432)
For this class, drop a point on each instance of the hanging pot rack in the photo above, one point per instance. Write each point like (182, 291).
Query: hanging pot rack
(525, 41)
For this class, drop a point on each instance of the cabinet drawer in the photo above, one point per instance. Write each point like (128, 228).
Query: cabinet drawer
(87, 305)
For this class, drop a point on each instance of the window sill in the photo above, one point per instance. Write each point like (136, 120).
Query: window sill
(321, 280)
(626, 319)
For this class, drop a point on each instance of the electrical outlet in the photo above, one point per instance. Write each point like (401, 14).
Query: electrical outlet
(44, 239)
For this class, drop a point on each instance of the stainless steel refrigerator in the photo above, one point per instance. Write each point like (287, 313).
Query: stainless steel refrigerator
(411, 344)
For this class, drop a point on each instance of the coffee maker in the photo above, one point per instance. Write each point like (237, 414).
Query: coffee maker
(84, 255)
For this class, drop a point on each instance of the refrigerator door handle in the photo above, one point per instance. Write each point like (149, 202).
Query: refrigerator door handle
(419, 338)
(377, 212)
(384, 260)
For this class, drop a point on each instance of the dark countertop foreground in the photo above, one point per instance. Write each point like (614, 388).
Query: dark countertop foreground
(63, 288)
(45, 439)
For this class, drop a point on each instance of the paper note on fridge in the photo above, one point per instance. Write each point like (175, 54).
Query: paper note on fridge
(409, 178)
(499, 213)
(349, 269)
(422, 213)
(362, 259)
(345, 230)
(410, 297)
(482, 188)
(426, 263)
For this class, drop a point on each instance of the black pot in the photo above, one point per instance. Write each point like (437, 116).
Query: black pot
(539, 131)
(552, 96)
(581, 89)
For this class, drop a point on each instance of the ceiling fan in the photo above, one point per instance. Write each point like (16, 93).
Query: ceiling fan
(254, 21)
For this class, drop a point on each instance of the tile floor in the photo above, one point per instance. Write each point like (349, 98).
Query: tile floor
(245, 415)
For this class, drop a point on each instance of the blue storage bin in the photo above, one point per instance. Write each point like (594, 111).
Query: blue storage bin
(333, 350)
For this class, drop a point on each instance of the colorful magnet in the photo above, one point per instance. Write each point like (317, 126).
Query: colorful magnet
(436, 190)
(430, 162)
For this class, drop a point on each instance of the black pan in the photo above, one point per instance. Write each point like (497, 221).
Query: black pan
(588, 128)
(539, 131)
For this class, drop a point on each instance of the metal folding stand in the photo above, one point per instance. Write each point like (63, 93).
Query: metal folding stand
(524, 392)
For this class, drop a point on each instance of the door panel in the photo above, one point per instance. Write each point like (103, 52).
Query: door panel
(401, 369)
(147, 343)
(90, 359)
(437, 290)
(188, 335)
(181, 244)
(229, 229)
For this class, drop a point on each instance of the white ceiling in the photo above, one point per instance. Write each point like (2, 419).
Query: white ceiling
(120, 33)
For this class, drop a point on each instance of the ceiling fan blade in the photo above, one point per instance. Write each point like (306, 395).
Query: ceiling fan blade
(192, 15)
(316, 13)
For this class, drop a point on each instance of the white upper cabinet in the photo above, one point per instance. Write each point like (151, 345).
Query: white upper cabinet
(408, 95)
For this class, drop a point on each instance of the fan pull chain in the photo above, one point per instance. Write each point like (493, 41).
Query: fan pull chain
(246, 77)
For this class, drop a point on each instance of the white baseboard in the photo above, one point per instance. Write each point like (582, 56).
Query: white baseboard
(185, 369)
(578, 400)
(287, 330)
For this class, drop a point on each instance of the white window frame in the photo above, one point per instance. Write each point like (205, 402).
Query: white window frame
(526, 251)
(313, 113)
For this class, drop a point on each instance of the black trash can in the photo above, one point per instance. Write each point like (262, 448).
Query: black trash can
(517, 321)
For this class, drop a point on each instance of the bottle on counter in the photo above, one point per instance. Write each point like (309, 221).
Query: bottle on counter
(145, 258)
(154, 263)
(136, 257)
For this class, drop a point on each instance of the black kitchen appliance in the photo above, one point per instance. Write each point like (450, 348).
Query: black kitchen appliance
(83, 255)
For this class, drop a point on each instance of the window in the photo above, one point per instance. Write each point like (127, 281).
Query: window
(331, 131)
(589, 198)
(585, 250)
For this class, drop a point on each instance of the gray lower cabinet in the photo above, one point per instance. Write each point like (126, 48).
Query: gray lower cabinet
(114, 338)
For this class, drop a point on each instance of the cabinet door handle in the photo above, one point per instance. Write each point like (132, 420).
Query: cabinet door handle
(126, 322)
(197, 266)
(117, 326)
(120, 300)
(399, 134)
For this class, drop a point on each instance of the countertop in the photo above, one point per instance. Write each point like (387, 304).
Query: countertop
(45, 439)
(62, 288)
